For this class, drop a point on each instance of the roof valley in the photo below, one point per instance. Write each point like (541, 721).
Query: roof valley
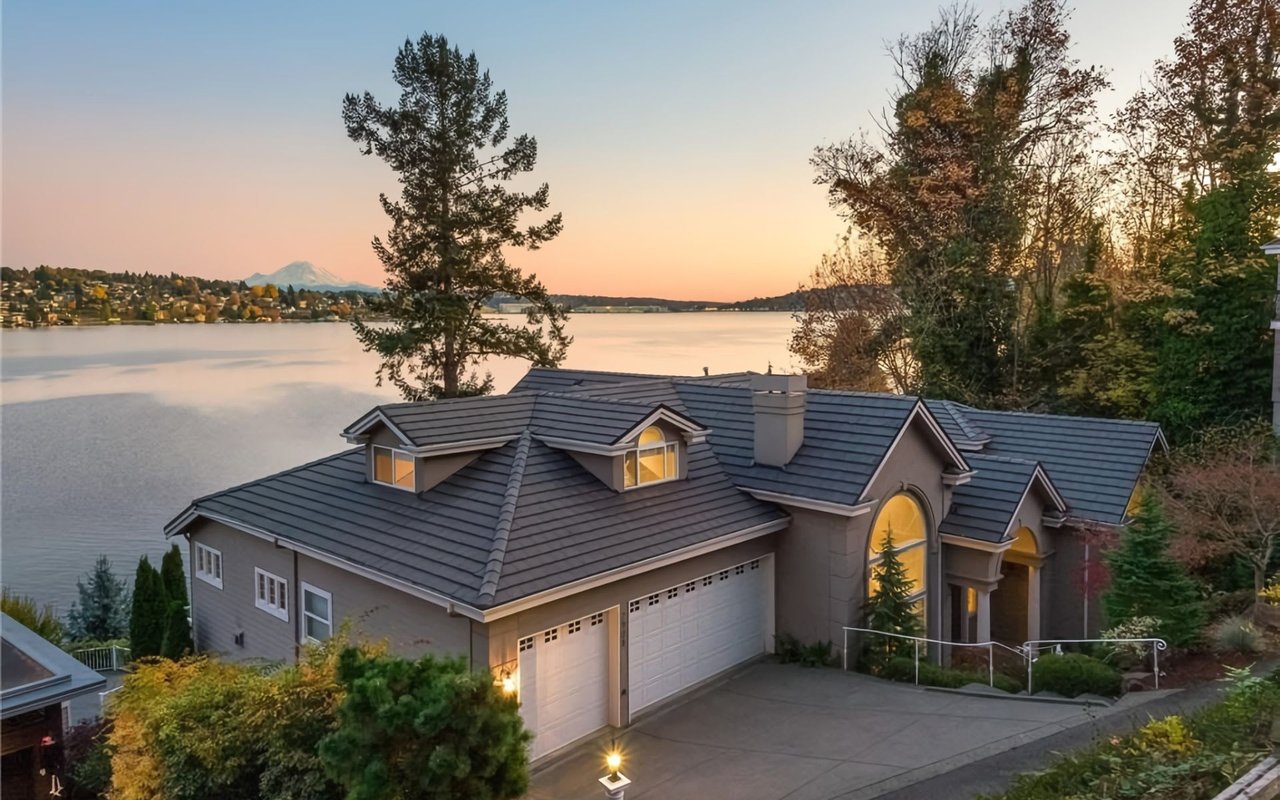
(506, 515)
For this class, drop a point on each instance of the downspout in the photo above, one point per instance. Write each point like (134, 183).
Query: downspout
(1085, 632)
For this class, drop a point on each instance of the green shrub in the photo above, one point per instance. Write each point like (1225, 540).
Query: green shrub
(1075, 674)
(1230, 604)
(903, 669)
(1235, 635)
(791, 650)
(26, 611)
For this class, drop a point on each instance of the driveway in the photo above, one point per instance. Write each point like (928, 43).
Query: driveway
(774, 731)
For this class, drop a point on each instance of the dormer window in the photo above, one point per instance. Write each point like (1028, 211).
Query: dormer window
(393, 467)
(654, 459)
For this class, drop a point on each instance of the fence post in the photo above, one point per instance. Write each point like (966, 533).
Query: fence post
(844, 659)
(916, 642)
(1155, 660)
(991, 665)
(1030, 660)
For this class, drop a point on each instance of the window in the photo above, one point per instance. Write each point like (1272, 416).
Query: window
(209, 565)
(901, 522)
(317, 614)
(653, 460)
(393, 467)
(272, 593)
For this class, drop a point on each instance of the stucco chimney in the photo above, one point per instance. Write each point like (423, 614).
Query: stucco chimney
(777, 403)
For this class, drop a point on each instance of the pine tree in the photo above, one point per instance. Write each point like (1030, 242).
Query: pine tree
(102, 612)
(146, 627)
(451, 228)
(1146, 581)
(889, 609)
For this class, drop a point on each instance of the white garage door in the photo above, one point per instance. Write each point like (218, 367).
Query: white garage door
(564, 682)
(688, 633)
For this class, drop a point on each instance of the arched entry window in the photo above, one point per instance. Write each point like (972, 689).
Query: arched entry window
(904, 518)
(1024, 542)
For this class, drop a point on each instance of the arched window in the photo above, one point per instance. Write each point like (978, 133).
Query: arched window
(653, 460)
(903, 518)
(1024, 541)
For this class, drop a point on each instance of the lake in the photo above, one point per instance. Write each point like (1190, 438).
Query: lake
(106, 433)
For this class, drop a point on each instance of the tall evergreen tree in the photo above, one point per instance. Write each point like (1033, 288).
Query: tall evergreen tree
(174, 576)
(446, 139)
(1146, 581)
(176, 641)
(102, 612)
(146, 626)
(889, 609)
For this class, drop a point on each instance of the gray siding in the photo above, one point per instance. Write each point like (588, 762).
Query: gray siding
(409, 625)
(219, 614)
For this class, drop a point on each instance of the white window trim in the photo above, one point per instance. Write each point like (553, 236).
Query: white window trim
(638, 450)
(304, 614)
(373, 468)
(262, 602)
(202, 554)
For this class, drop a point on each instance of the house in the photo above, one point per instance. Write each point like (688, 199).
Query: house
(603, 542)
(37, 681)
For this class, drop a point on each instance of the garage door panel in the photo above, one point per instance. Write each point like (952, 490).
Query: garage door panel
(564, 682)
(689, 633)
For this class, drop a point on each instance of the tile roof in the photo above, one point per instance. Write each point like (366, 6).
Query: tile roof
(524, 517)
(1095, 463)
(984, 507)
(519, 519)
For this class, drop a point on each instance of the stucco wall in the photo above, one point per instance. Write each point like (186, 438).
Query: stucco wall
(1065, 604)
(817, 577)
(409, 624)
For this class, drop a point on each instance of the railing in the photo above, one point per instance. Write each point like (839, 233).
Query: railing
(1029, 651)
(102, 699)
(1036, 645)
(990, 647)
(103, 659)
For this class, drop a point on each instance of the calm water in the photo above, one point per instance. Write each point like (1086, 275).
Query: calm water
(107, 433)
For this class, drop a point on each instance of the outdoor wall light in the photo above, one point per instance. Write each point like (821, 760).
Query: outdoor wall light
(508, 684)
(614, 783)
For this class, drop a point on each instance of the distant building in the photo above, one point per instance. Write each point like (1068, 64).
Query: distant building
(37, 681)
(621, 310)
(514, 308)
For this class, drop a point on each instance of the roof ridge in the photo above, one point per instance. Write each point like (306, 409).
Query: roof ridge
(1144, 423)
(584, 396)
(506, 515)
(1004, 459)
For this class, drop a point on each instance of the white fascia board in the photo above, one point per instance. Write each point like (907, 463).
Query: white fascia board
(465, 446)
(825, 506)
(1054, 494)
(666, 415)
(919, 409)
(450, 605)
(977, 544)
(657, 562)
(578, 446)
(354, 432)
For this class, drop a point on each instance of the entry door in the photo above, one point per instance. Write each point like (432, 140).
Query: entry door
(687, 633)
(564, 682)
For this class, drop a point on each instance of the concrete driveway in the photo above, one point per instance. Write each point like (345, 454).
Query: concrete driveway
(774, 731)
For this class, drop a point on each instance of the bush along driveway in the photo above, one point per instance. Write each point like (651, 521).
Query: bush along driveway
(775, 731)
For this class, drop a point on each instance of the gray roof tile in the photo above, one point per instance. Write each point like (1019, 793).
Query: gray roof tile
(984, 507)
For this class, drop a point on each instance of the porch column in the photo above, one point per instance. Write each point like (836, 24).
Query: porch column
(1033, 603)
(984, 615)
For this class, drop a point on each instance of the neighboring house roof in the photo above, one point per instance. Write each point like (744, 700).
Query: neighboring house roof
(984, 508)
(518, 520)
(35, 673)
(1095, 463)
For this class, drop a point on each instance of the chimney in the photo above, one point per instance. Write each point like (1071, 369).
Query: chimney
(777, 403)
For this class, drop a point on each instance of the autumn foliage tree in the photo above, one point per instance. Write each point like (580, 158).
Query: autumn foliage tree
(1224, 493)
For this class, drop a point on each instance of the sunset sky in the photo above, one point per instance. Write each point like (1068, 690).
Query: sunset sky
(206, 138)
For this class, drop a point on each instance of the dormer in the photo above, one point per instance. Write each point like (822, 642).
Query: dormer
(400, 455)
(651, 448)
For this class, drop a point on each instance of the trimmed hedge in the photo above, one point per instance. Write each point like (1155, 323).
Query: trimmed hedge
(1075, 674)
(904, 670)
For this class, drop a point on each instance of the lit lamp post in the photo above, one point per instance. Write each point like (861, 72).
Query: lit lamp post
(615, 783)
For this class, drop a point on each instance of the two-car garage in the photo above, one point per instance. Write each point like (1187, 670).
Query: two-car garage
(670, 639)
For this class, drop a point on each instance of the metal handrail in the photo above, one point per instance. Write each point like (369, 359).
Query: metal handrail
(1157, 646)
(990, 648)
(102, 659)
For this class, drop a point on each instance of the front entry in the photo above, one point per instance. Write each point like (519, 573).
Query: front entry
(685, 634)
(1009, 605)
